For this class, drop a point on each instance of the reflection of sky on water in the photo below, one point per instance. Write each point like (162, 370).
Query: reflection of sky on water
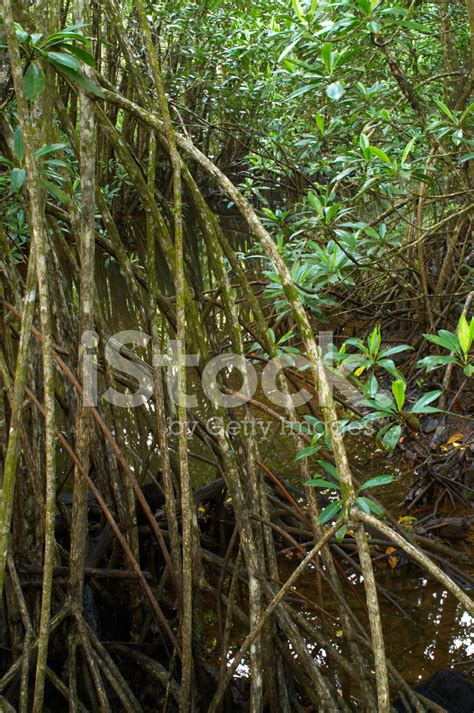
(441, 633)
(437, 638)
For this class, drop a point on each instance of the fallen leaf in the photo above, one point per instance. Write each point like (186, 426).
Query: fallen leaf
(392, 559)
(454, 440)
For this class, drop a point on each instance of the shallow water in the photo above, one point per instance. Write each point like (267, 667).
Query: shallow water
(433, 634)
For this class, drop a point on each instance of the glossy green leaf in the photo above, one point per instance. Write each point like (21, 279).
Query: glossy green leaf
(307, 452)
(18, 144)
(375, 508)
(56, 191)
(421, 406)
(320, 483)
(63, 60)
(17, 179)
(445, 339)
(375, 151)
(341, 533)
(335, 91)
(331, 512)
(392, 436)
(303, 90)
(446, 110)
(48, 148)
(435, 362)
(326, 56)
(80, 54)
(464, 334)
(329, 468)
(82, 81)
(377, 482)
(395, 350)
(33, 82)
(297, 7)
(398, 390)
(363, 503)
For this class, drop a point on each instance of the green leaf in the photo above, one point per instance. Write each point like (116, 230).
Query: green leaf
(371, 386)
(445, 339)
(464, 335)
(17, 179)
(364, 143)
(298, 10)
(330, 512)
(320, 483)
(73, 28)
(469, 369)
(375, 507)
(369, 506)
(18, 144)
(380, 154)
(364, 5)
(64, 60)
(33, 82)
(374, 341)
(395, 350)
(341, 533)
(320, 122)
(303, 90)
(48, 148)
(412, 25)
(60, 37)
(57, 162)
(335, 91)
(441, 105)
(363, 503)
(22, 36)
(329, 468)
(392, 436)
(377, 481)
(56, 191)
(421, 406)
(435, 362)
(407, 150)
(398, 390)
(82, 81)
(355, 341)
(466, 112)
(326, 52)
(389, 366)
(6, 161)
(289, 48)
(307, 452)
(80, 53)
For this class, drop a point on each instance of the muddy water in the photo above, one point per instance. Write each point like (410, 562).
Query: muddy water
(432, 632)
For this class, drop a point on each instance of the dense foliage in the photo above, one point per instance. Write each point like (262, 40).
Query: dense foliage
(286, 185)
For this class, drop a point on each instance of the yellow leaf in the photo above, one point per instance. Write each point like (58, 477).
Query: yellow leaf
(339, 632)
(359, 371)
(392, 559)
(454, 439)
